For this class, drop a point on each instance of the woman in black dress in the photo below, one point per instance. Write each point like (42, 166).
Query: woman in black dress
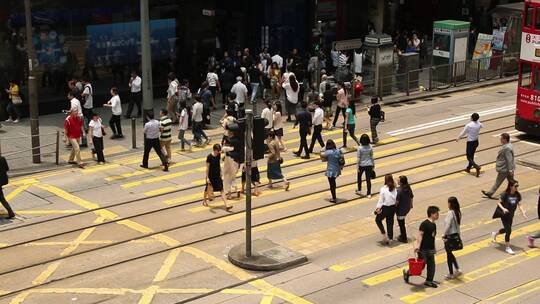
(214, 183)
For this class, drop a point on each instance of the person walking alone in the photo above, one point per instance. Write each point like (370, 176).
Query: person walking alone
(135, 94)
(451, 236)
(366, 163)
(95, 137)
(197, 116)
(165, 138)
(14, 102)
(350, 125)
(73, 131)
(151, 141)
(472, 130)
(334, 158)
(425, 245)
(404, 204)
(4, 180)
(278, 124)
(504, 165)
(375, 116)
(292, 89)
(509, 201)
(317, 122)
(214, 182)
(183, 118)
(342, 104)
(303, 118)
(116, 108)
(386, 208)
(274, 162)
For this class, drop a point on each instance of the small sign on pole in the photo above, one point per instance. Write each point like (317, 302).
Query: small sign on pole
(207, 12)
(345, 45)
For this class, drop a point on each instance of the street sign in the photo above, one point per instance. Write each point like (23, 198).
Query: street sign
(350, 44)
(207, 12)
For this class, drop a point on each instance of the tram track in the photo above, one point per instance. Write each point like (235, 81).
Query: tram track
(204, 239)
(191, 202)
(198, 201)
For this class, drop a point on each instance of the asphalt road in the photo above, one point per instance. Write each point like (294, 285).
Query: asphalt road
(121, 234)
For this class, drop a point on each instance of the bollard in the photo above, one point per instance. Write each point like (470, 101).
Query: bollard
(133, 134)
(57, 156)
(478, 71)
(408, 82)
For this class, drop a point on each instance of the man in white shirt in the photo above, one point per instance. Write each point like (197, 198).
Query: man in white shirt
(213, 85)
(317, 121)
(472, 130)
(172, 91)
(116, 108)
(151, 141)
(197, 116)
(278, 59)
(75, 106)
(268, 114)
(240, 90)
(87, 100)
(135, 94)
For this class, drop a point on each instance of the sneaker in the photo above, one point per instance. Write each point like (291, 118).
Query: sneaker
(530, 241)
(449, 276)
(368, 196)
(510, 251)
(9, 120)
(458, 273)
(430, 284)
(16, 121)
(486, 194)
(359, 193)
(494, 237)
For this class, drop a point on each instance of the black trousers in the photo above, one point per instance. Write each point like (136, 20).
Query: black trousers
(150, 144)
(387, 213)
(367, 170)
(350, 131)
(429, 257)
(332, 182)
(135, 99)
(507, 227)
(471, 150)
(336, 116)
(5, 203)
(402, 229)
(98, 148)
(450, 259)
(317, 136)
(115, 124)
(303, 142)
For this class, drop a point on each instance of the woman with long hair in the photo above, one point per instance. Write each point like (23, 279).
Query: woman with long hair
(273, 170)
(342, 103)
(386, 208)
(275, 75)
(292, 89)
(404, 204)
(278, 124)
(332, 155)
(350, 125)
(214, 182)
(365, 164)
(510, 200)
(451, 233)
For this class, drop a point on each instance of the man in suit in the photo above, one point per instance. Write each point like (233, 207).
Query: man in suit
(303, 118)
(4, 181)
(504, 165)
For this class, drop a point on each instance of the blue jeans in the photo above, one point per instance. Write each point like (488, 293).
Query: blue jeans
(254, 90)
(198, 131)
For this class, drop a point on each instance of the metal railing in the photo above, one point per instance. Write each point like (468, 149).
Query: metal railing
(444, 76)
(18, 151)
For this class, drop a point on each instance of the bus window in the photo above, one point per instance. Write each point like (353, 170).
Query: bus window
(537, 78)
(529, 17)
(537, 18)
(526, 75)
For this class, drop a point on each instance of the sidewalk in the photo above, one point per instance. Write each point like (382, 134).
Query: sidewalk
(16, 137)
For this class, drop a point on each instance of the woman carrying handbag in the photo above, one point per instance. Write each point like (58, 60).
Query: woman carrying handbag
(335, 162)
(451, 237)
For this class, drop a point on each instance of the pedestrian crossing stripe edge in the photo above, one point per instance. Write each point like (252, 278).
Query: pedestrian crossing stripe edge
(521, 291)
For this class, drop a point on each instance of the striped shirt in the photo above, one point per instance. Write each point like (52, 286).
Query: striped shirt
(166, 128)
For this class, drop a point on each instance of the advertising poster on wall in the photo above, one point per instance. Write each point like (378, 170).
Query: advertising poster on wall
(483, 50)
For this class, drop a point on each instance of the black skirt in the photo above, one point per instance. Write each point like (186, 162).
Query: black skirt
(255, 176)
(217, 184)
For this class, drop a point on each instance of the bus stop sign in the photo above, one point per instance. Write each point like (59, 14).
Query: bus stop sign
(344, 45)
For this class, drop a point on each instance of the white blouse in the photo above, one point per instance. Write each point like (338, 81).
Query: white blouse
(386, 197)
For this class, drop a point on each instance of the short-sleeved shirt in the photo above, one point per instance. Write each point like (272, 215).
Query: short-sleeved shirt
(375, 111)
(88, 99)
(214, 171)
(197, 112)
(96, 127)
(510, 202)
(428, 238)
(212, 79)
(75, 104)
(351, 120)
(404, 198)
(184, 117)
(151, 129)
(240, 90)
(116, 105)
(73, 126)
(165, 124)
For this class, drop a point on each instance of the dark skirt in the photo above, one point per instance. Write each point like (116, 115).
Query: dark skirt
(274, 171)
(217, 184)
(255, 176)
(279, 132)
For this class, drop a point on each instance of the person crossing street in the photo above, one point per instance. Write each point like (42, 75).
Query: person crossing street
(151, 141)
(303, 118)
(504, 165)
(317, 122)
(472, 130)
(4, 180)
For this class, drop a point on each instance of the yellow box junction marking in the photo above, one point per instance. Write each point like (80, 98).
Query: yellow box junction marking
(474, 275)
(513, 294)
(441, 258)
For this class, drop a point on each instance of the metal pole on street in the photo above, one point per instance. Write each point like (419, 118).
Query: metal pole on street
(249, 156)
(146, 60)
(32, 86)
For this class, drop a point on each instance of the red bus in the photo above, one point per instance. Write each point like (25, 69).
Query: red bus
(528, 92)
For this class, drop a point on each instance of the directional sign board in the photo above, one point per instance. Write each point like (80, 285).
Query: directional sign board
(344, 45)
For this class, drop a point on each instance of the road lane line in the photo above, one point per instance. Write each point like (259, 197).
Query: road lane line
(521, 291)
(167, 265)
(17, 191)
(472, 276)
(441, 257)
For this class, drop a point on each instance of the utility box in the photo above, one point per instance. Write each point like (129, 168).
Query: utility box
(450, 41)
(381, 49)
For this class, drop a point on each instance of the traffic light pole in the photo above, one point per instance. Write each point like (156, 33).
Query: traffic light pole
(32, 86)
(247, 165)
(146, 61)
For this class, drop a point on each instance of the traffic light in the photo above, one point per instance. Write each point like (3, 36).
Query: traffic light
(237, 140)
(258, 144)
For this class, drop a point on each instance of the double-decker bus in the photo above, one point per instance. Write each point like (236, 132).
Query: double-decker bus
(528, 92)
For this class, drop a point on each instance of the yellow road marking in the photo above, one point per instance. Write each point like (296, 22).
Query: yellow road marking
(474, 275)
(17, 191)
(108, 151)
(44, 275)
(515, 293)
(311, 197)
(31, 212)
(267, 299)
(441, 258)
(167, 265)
